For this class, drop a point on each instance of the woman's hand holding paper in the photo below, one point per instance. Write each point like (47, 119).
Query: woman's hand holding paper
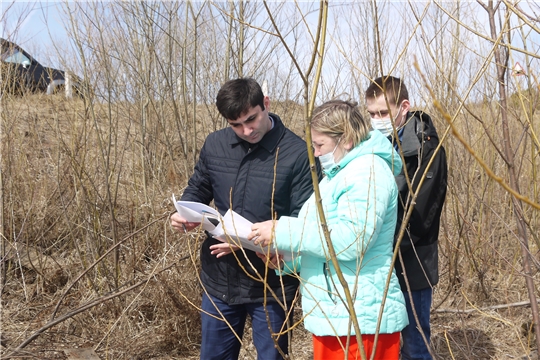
(262, 233)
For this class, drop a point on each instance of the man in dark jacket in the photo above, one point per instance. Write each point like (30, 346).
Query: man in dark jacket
(260, 169)
(414, 135)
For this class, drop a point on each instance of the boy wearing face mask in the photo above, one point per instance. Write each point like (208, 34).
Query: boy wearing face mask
(414, 135)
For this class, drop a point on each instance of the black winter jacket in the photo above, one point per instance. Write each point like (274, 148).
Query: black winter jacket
(419, 246)
(228, 166)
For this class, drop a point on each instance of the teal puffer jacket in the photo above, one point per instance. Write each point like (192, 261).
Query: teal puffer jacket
(359, 198)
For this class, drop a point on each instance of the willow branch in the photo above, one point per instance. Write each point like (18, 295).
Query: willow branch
(85, 307)
(101, 258)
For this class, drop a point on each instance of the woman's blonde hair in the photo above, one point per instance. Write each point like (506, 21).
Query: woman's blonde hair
(341, 119)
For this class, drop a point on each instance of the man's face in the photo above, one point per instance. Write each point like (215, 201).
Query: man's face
(377, 109)
(252, 125)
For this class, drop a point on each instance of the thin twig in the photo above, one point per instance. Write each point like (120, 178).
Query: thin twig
(85, 307)
(494, 307)
(101, 258)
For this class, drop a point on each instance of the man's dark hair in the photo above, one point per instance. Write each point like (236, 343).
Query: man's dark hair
(395, 89)
(236, 96)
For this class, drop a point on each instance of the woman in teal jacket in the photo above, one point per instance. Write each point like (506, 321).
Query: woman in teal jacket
(359, 199)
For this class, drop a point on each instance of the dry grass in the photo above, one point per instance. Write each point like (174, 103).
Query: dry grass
(78, 180)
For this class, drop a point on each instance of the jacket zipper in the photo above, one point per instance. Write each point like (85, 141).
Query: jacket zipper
(326, 270)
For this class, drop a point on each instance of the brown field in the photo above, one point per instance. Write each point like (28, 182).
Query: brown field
(80, 179)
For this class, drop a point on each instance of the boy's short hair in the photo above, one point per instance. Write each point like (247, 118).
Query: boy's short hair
(395, 89)
(236, 97)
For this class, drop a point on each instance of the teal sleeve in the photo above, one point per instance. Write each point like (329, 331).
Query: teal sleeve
(355, 211)
(290, 267)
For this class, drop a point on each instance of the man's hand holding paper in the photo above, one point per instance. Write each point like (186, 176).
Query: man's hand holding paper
(232, 229)
(181, 224)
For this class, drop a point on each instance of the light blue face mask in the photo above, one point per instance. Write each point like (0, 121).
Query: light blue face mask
(327, 160)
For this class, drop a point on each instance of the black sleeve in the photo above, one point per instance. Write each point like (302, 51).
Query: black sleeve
(199, 187)
(429, 202)
(302, 184)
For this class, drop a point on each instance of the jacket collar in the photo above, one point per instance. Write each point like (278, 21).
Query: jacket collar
(270, 140)
(419, 125)
(376, 144)
(348, 157)
(409, 141)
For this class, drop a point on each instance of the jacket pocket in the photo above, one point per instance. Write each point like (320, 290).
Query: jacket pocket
(329, 283)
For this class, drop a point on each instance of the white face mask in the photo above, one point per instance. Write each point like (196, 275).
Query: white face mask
(384, 125)
(327, 160)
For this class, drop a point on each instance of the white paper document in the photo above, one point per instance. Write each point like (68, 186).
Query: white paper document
(199, 213)
(231, 227)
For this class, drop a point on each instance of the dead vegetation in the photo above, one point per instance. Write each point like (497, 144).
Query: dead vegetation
(59, 260)
(88, 259)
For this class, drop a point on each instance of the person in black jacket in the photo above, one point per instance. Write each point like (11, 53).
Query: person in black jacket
(260, 169)
(414, 135)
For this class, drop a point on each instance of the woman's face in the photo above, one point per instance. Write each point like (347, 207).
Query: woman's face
(324, 144)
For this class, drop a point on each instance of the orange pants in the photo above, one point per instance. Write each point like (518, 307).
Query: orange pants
(330, 348)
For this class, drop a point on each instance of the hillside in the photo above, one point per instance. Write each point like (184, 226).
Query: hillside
(86, 242)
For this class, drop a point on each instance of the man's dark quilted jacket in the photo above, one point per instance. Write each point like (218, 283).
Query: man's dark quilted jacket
(419, 246)
(231, 171)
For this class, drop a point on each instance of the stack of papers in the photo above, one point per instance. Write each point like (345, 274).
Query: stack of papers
(232, 227)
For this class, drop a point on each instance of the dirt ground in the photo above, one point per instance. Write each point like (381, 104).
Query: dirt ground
(51, 261)
(147, 333)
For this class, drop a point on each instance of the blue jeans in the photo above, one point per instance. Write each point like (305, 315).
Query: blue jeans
(219, 341)
(414, 347)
